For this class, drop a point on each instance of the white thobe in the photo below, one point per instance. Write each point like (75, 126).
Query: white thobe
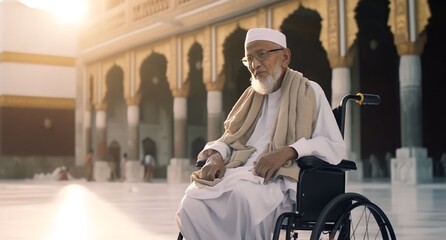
(241, 206)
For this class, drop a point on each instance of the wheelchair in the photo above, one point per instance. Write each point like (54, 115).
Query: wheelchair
(323, 206)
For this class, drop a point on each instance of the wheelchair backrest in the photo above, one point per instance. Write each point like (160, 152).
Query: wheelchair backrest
(318, 185)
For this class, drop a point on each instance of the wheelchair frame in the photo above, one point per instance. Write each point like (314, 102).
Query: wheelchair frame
(323, 207)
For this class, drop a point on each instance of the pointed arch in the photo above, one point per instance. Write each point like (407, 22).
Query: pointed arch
(303, 30)
(235, 73)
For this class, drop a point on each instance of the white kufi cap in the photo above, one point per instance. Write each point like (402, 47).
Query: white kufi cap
(265, 34)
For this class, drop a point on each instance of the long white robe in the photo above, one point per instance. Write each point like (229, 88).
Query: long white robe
(241, 206)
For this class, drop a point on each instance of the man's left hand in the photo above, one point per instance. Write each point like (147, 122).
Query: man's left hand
(269, 163)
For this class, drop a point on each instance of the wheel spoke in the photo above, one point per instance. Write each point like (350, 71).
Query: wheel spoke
(360, 219)
(357, 225)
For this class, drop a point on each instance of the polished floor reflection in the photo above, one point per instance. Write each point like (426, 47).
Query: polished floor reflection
(79, 210)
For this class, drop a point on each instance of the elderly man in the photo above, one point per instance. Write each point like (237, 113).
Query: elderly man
(250, 175)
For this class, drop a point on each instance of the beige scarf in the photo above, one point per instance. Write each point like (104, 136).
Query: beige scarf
(295, 120)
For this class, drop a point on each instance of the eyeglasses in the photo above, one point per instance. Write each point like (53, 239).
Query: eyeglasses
(260, 55)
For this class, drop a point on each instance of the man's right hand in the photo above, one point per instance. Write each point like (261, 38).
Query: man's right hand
(214, 167)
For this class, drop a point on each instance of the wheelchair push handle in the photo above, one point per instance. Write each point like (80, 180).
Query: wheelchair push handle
(361, 99)
(368, 99)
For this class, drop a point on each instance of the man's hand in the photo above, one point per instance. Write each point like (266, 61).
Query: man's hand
(269, 163)
(214, 167)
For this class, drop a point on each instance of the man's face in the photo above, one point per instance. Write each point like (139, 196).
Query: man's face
(264, 61)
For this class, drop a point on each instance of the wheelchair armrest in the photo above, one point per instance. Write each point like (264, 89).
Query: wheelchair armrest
(200, 163)
(315, 162)
(308, 161)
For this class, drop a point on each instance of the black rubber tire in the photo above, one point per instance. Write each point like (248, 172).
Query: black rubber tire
(343, 225)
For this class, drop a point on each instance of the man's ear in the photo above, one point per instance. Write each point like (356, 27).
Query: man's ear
(286, 57)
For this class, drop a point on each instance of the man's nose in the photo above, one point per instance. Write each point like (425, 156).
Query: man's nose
(255, 63)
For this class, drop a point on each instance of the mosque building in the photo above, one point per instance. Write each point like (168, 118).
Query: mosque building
(159, 77)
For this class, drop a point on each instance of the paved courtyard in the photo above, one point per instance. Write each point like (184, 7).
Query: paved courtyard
(79, 210)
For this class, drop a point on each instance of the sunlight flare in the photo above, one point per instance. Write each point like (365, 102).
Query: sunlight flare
(72, 215)
(66, 10)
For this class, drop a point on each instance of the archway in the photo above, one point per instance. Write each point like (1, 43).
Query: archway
(236, 74)
(156, 110)
(116, 106)
(303, 28)
(378, 74)
(196, 101)
(116, 116)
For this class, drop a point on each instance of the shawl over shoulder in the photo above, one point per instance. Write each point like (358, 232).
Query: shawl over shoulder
(296, 119)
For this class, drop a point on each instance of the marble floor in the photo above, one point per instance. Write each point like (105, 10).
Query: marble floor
(79, 210)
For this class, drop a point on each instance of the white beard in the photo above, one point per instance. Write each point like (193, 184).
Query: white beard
(267, 85)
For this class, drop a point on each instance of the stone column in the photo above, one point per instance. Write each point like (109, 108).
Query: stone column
(134, 171)
(215, 109)
(214, 84)
(87, 132)
(341, 86)
(179, 123)
(337, 39)
(180, 169)
(87, 141)
(101, 168)
(411, 164)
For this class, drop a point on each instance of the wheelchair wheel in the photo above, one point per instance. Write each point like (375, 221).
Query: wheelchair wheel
(356, 218)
